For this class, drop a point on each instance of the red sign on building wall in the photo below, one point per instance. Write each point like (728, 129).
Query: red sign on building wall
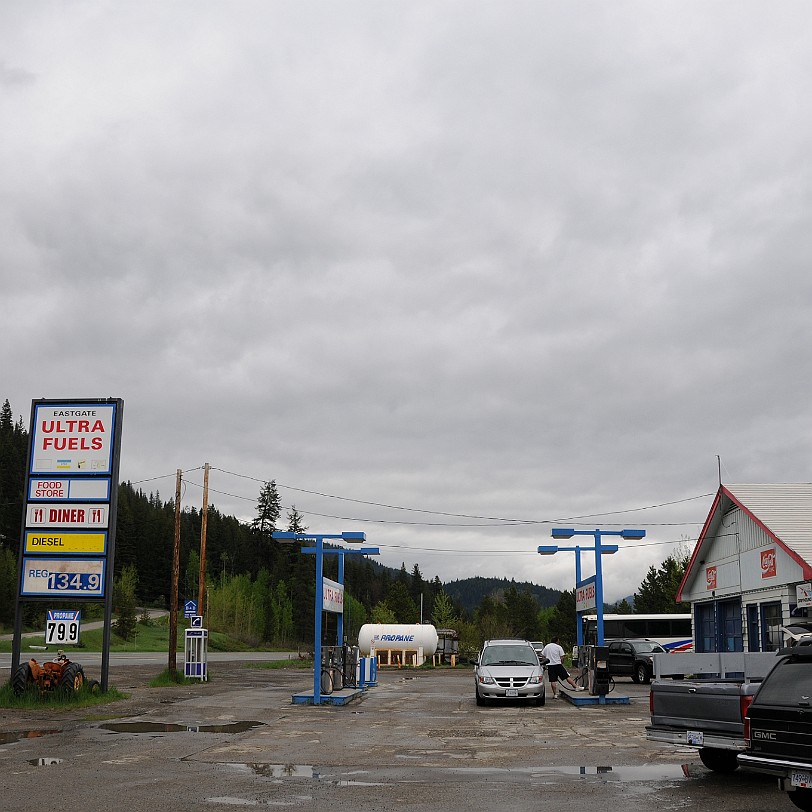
(769, 563)
(710, 577)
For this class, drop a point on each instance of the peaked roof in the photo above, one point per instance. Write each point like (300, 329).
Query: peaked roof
(782, 511)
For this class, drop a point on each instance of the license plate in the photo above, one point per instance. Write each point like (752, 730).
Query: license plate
(511, 692)
(696, 737)
(803, 780)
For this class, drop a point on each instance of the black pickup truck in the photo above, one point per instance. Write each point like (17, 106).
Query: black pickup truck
(633, 658)
(778, 727)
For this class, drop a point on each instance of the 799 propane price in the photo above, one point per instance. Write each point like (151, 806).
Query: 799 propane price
(62, 632)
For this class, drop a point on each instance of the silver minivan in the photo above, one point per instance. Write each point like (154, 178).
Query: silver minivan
(508, 669)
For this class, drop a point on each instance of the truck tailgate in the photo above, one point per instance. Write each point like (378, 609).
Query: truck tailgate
(699, 705)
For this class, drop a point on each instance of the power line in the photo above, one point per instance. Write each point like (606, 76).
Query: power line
(467, 515)
(484, 521)
(404, 523)
(504, 551)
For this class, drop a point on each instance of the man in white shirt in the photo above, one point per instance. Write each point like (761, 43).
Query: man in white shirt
(555, 668)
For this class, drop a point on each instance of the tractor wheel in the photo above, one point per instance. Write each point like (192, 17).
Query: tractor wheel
(94, 686)
(22, 679)
(73, 678)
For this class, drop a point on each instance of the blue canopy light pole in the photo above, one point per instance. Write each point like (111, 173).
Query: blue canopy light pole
(600, 550)
(287, 537)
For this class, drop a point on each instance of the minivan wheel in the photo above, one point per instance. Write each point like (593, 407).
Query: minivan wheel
(480, 700)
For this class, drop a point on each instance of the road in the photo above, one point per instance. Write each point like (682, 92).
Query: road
(417, 741)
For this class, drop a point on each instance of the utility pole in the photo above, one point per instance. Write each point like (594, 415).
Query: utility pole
(203, 524)
(173, 601)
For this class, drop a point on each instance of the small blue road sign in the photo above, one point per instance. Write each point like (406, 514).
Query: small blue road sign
(197, 622)
(190, 608)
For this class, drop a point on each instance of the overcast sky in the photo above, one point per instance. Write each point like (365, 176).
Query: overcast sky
(499, 266)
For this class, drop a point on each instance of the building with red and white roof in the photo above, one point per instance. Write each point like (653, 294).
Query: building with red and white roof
(750, 575)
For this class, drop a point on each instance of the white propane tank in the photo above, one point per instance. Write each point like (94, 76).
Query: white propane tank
(397, 637)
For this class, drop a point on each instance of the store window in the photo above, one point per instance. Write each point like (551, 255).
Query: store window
(771, 623)
(753, 628)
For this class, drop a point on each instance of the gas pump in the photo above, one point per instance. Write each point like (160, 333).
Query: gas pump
(598, 674)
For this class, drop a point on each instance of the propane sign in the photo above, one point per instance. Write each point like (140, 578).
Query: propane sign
(62, 627)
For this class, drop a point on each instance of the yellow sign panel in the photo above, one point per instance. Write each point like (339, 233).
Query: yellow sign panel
(55, 542)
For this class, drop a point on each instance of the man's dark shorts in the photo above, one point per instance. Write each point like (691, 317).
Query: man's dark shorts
(557, 673)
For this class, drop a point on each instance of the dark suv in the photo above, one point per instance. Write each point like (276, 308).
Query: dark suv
(778, 727)
(633, 658)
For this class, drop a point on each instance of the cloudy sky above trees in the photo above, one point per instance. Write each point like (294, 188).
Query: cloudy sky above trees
(451, 273)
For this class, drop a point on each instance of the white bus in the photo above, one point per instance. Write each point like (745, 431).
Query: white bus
(671, 631)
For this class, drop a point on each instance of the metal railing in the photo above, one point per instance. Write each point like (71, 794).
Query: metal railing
(747, 665)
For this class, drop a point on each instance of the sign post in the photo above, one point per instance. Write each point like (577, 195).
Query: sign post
(67, 538)
(329, 594)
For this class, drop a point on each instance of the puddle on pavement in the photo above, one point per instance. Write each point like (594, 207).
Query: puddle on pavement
(302, 771)
(8, 738)
(45, 762)
(282, 770)
(166, 727)
(642, 772)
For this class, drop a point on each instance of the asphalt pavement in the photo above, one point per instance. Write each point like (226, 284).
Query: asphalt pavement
(416, 741)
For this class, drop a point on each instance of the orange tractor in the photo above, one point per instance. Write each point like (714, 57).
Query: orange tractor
(60, 674)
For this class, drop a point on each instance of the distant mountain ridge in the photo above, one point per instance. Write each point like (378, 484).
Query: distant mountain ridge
(469, 592)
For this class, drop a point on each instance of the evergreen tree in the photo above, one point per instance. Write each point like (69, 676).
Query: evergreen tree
(522, 608)
(13, 452)
(418, 585)
(381, 613)
(622, 607)
(269, 508)
(562, 624)
(401, 603)
(443, 614)
(658, 591)
(355, 615)
(296, 521)
(8, 586)
(124, 602)
(282, 628)
(492, 620)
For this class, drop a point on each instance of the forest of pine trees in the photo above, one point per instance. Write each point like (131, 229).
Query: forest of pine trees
(262, 592)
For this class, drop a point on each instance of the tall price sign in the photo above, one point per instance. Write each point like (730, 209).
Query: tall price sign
(67, 541)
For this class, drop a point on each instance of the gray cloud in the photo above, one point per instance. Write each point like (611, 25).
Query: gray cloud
(526, 261)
